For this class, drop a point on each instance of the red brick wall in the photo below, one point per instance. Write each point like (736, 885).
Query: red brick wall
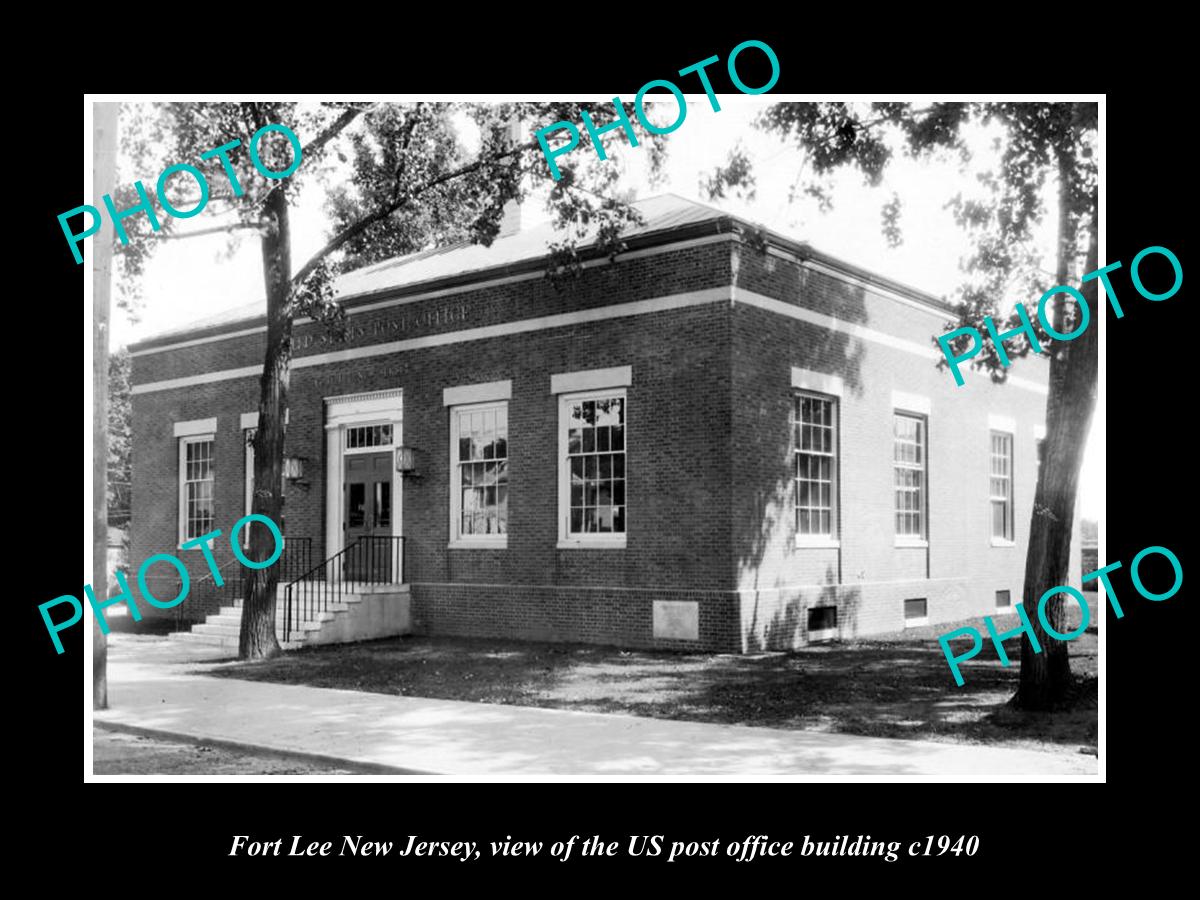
(709, 510)
(677, 451)
(961, 570)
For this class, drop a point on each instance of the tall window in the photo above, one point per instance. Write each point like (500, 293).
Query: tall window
(1000, 486)
(909, 467)
(814, 443)
(479, 476)
(593, 475)
(195, 486)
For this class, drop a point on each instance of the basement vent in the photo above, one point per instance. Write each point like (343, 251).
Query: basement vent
(916, 612)
(1003, 599)
(822, 623)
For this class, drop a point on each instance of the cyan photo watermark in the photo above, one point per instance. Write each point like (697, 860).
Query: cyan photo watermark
(202, 543)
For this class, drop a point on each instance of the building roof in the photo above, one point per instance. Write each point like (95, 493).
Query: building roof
(664, 216)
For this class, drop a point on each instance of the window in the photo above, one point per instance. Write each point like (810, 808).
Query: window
(1003, 599)
(909, 467)
(1000, 486)
(916, 612)
(361, 436)
(822, 623)
(814, 445)
(195, 486)
(479, 473)
(592, 467)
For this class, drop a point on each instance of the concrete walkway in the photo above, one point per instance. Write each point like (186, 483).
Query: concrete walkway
(158, 686)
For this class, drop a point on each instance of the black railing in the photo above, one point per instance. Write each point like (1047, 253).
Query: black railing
(371, 560)
(206, 596)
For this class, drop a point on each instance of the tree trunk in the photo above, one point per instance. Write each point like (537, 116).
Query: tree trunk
(257, 639)
(1046, 682)
(104, 116)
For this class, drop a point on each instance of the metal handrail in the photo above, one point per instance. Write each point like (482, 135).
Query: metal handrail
(296, 553)
(373, 559)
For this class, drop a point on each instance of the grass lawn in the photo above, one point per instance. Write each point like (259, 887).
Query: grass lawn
(889, 686)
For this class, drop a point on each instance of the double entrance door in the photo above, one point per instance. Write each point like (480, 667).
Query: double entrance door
(370, 550)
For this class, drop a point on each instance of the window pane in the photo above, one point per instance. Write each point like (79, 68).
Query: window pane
(595, 445)
(909, 455)
(360, 436)
(1000, 484)
(383, 503)
(358, 504)
(483, 470)
(814, 448)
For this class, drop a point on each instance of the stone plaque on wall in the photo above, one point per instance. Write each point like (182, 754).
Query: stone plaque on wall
(677, 619)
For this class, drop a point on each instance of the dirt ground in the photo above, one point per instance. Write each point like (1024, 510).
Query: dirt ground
(891, 686)
(117, 753)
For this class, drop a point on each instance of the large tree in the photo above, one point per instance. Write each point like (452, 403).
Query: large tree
(411, 184)
(1041, 145)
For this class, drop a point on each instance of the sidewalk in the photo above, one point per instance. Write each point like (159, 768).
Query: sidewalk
(159, 686)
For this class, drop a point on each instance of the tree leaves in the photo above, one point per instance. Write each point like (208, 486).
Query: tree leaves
(890, 214)
(737, 174)
(1002, 223)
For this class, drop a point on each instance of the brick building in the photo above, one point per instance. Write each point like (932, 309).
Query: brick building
(724, 439)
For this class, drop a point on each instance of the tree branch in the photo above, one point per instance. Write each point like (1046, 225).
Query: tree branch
(357, 228)
(338, 126)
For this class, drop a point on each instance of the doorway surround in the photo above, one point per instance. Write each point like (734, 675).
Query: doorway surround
(347, 411)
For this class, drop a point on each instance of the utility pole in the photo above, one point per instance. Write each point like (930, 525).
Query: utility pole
(104, 177)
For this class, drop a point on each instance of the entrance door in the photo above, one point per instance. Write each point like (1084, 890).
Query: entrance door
(368, 522)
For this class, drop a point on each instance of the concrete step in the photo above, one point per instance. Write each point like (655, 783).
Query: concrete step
(236, 611)
(224, 620)
(191, 637)
(224, 642)
(223, 628)
(231, 631)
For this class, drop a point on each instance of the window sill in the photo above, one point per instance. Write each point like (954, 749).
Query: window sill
(911, 543)
(1000, 542)
(916, 623)
(828, 634)
(817, 543)
(476, 544)
(591, 543)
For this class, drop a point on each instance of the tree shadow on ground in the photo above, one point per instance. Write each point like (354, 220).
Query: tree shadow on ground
(898, 687)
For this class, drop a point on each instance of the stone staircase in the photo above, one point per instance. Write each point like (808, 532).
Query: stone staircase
(373, 612)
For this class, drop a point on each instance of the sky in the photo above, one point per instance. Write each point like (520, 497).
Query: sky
(195, 278)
